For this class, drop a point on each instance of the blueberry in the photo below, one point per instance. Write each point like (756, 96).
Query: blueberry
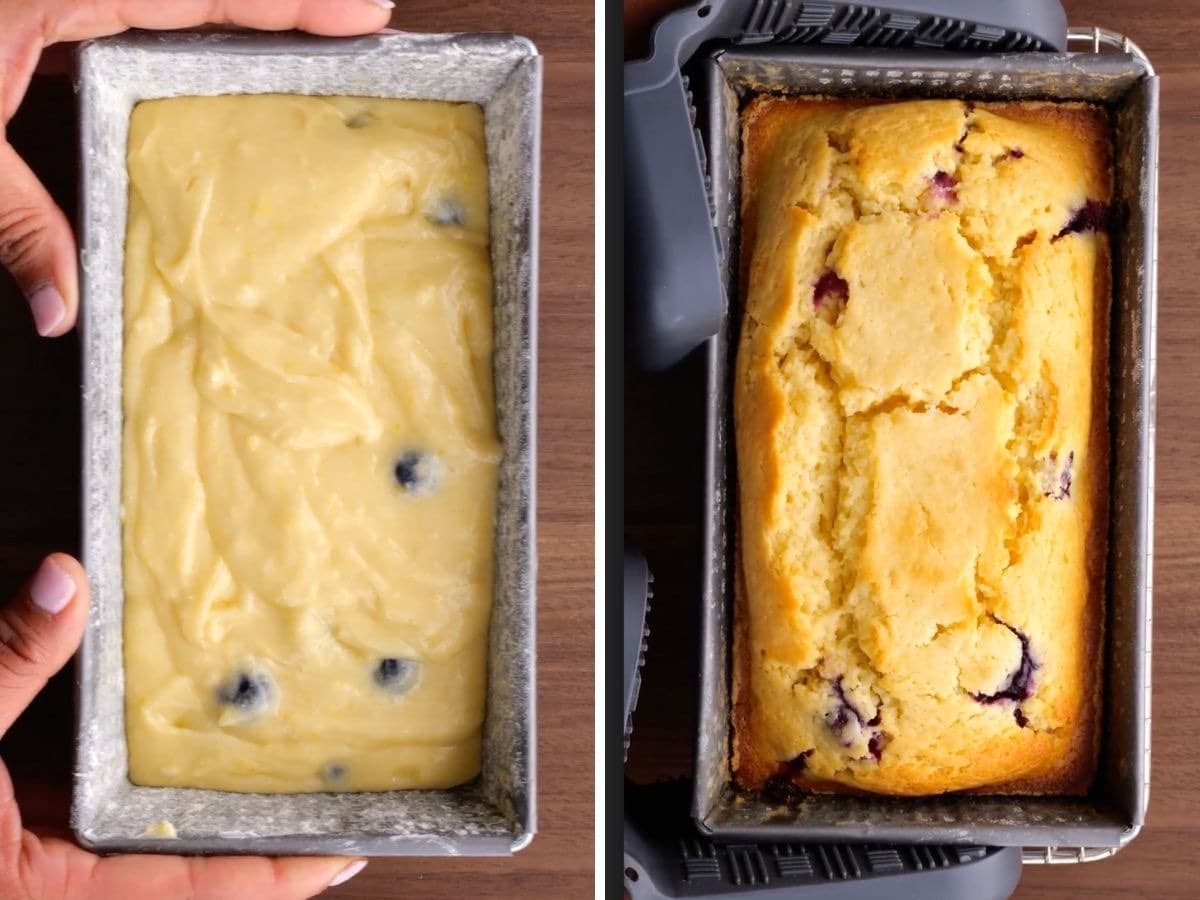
(397, 676)
(1020, 717)
(844, 710)
(1019, 685)
(416, 472)
(846, 703)
(1056, 483)
(1015, 152)
(247, 692)
(1092, 216)
(406, 470)
(830, 288)
(779, 791)
(334, 772)
(779, 788)
(448, 212)
(848, 722)
(879, 740)
(942, 187)
(797, 764)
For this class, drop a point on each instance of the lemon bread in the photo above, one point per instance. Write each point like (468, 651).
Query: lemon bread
(920, 417)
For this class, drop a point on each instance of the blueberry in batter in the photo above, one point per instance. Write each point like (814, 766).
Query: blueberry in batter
(397, 676)
(248, 692)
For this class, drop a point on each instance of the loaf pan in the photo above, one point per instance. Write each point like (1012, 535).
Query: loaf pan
(1050, 828)
(494, 814)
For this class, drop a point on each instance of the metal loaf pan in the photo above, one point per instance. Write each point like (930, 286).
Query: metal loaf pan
(1050, 828)
(494, 814)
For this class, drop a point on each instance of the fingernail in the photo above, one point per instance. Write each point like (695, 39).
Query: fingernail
(52, 588)
(48, 308)
(349, 872)
(384, 4)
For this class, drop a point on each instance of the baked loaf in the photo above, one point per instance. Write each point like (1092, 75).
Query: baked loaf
(920, 408)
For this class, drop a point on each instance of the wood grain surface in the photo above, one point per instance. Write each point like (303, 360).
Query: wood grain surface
(39, 469)
(663, 460)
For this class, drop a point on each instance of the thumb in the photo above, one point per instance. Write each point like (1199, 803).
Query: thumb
(39, 630)
(36, 246)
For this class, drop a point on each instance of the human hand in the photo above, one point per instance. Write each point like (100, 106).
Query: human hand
(39, 631)
(36, 244)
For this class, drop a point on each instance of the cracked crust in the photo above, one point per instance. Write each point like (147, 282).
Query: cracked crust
(920, 407)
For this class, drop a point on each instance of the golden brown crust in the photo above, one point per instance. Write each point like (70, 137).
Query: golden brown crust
(1039, 766)
(749, 767)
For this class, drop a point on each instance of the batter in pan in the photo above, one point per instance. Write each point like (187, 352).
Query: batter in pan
(310, 446)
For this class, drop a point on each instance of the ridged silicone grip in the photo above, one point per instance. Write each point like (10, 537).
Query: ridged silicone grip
(674, 296)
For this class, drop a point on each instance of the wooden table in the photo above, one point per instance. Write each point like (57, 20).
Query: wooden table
(39, 466)
(663, 447)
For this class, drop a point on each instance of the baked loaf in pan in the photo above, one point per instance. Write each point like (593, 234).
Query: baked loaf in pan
(920, 414)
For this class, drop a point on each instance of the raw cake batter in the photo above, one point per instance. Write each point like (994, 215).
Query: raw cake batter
(310, 447)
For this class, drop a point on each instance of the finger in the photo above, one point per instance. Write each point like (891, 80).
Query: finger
(10, 823)
(34, 26)
(61, 869)
(36, 246)
(39, 630)
(70, 20)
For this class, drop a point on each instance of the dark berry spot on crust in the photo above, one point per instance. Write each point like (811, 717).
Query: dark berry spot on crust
(1020, 717)
(1015, 152)
(844, 700)
(944, 180)
(848, 723)
(1019, 685)
(780, 788)
(246, 692)
(396, 676)
(941, 190)
(840, 717)
(778, 791)
(878, 741)
(796, 765)
(830, 289)
(838, 720)
(968, 127)
(1092, 216)
(1056, 483)
(1064, 479)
